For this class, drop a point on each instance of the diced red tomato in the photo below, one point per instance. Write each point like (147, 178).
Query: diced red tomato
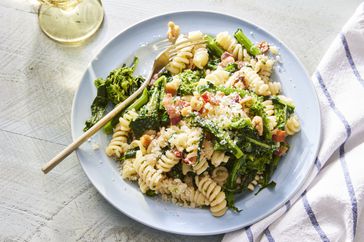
(279, 136)
(207, 98)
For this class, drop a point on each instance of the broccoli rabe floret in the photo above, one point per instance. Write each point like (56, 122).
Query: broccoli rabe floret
(282, 111)
(231, 67)
(149, 115)
(213, 63)
(222, 137)
(189, 82)
(237, 169)
(257, 109)
(119, 85)
(136, 105)
(213, 47)
(246, 42)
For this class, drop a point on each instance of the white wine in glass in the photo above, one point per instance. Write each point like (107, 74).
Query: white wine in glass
(70, 21)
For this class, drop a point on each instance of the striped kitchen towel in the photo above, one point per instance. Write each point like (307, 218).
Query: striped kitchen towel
(330, 205)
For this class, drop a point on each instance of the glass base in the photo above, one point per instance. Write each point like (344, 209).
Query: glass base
(71, 25)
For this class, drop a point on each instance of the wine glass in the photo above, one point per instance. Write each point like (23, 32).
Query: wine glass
(70, 21)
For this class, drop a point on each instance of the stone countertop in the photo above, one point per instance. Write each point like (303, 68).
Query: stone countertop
(38, 78)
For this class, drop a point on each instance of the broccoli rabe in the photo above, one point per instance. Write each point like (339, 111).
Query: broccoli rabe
(213, 63)
(149, 115)
(213, 47)
(136, 105)
(246, 42)
(236, 170)
(231, 67)
(257, 109)
(98, 106)
(189, 82)
(282, 110)
(119, 85)
(222, 137)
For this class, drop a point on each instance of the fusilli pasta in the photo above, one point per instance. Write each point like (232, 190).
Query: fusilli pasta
(214, 194)
(292, 125)
(118, 144)
(229, 44)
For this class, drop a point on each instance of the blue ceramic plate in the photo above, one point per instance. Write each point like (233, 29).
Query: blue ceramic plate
(126, 197)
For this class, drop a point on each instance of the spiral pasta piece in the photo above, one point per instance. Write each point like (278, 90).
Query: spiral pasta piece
(269, 110)
(167, 161)
(144, 165)
(180, 193)
(220, 175)
(200, 166)
(218, 77)
(256, 84)
(142, 185)
(229, 44)
(264, 67)
(219, 157)
(201, 57)
(274, 88)
(292, 125)
(128, 171)
(193, 141)
(213, 193)
(118, 144)
(182, 59)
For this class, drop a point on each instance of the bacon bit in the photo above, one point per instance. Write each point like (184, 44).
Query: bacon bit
(190, 161)
(279, 136)
(167, 100)
(227, 61)
(282, 150)
(237, 98)
(175, 120)
(226, 55)
(182, 104)
(263, 46)
(240, 82)
(177, 153)
(172, 112)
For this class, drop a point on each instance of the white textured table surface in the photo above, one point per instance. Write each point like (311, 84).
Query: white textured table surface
(38, 78)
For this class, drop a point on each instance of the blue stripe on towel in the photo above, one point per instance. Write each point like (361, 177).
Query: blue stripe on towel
(332, 104)
(269, 235)
(353, 200)
(350, 59)
(349, 185)
(249, 234)
(313, 219)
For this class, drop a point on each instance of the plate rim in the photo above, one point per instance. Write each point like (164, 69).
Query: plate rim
(232, 228)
